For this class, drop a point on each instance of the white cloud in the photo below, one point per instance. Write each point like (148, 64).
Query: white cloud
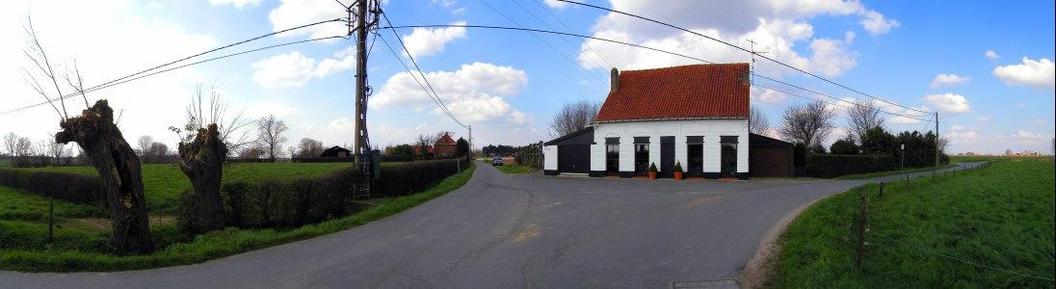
(425, 41)
(949, 102)
(292, 13)
(474, 92)
(555, 4)
(990, 54)
(294, 69)
(831, 57)
(877, 24)
(944, 79)
(1036, 73)
(109, 39)
(237, 3)
(776, 27)
(445, 3)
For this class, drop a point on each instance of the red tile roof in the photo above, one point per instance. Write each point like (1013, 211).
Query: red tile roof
(445, 140)
(680, 92)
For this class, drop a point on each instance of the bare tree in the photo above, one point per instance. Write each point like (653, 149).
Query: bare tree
(57, 151)
(573, 117)
(144, 143)
(23, 147)
(203, 153)
(808, 124)
(100, 139)
(757, 122)
(271, 134)
(252, 151)
(863, 117)
(10, 143)
(292, 150)
(309, 148)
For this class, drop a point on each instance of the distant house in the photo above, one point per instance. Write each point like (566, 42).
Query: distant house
(336, 152)
(695, 115)
(445, 146)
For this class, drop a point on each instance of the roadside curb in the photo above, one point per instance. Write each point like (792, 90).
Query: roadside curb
(760, 268)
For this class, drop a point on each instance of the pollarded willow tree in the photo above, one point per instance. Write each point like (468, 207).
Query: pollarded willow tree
(99, 138)
(202, 155)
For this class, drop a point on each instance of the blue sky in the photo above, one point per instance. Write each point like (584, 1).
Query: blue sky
(508, 84)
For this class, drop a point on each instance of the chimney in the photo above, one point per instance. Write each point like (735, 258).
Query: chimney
(615, 80)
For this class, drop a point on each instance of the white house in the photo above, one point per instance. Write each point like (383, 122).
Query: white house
(695, 115)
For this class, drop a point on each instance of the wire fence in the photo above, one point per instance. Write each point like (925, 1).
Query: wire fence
(863, 230)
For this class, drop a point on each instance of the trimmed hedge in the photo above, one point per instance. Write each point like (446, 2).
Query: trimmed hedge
(271, 203)
(69, 187)
(411, 177)
(831, 166)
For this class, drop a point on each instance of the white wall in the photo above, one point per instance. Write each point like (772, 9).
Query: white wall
(711, 130)
(550, 158)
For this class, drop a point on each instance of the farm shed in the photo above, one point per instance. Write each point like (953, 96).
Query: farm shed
(769, 157)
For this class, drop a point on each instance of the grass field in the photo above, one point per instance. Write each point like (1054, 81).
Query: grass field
(1000, 217)
(164, 183)
(516, 169)
(81, 241)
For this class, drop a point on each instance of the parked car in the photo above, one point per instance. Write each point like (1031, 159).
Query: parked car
(496, 161)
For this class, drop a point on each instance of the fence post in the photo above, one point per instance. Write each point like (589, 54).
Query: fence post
(881, 190)
(862, 222)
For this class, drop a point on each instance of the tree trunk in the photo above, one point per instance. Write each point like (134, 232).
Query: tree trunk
(202, 160)
(119, 168)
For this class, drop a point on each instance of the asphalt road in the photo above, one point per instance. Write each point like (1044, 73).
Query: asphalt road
(525, 231)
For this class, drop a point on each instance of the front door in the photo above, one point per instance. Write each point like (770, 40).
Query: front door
(728, 167)
(667, 156)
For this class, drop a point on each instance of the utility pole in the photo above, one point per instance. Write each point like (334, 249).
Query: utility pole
(361, 145)
(470, 152)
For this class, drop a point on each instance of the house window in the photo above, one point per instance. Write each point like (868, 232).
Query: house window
(641, 155)
(612, 154)
(695, 155)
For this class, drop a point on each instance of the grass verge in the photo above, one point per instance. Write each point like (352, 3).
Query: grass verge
(1000, 217)
(212, 245)
(515, 169)
(895, 172)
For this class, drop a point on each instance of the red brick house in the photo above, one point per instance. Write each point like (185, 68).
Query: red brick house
(445, 146)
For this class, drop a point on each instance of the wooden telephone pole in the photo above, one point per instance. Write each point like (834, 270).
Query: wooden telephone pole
(364, 19)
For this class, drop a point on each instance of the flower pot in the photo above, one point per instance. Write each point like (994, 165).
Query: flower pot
(652, 175)
(678, 176)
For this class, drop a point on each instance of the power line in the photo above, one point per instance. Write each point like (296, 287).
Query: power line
(743, 49)
(109, 84)
(435, 95)
(622, 43)
(573, 61)
(121, 79)
(596, 57)
(829, 96)
(830, 103)
(409, 72)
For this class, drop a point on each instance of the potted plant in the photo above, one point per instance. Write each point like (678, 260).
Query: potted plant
(652, 171)
(678, 171)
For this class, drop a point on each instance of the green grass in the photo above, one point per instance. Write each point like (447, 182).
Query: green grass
(515, 169)
(1001, 216)
(213, 245)
(888, 173)
(163, 184)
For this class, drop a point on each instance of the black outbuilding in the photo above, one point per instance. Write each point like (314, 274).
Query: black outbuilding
(573, 151)
(769, 157)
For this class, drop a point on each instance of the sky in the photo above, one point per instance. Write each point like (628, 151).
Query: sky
(985, 67)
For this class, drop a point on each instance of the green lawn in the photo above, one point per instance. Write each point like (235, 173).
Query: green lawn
(1000, 217)
(164, 183)
(81, 246)
(516, 169)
